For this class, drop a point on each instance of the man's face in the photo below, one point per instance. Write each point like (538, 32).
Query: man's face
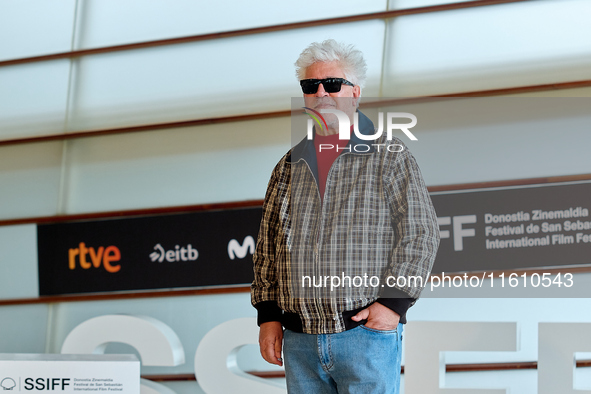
(344, 100)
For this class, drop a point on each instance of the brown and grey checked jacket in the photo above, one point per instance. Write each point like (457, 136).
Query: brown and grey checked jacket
(376, 220)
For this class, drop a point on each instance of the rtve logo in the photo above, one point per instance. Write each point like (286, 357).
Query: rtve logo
(101, 255)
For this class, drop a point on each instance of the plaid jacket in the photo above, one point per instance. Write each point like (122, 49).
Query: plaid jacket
(376, 220)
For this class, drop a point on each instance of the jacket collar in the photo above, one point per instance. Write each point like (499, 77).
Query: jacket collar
(305, 148)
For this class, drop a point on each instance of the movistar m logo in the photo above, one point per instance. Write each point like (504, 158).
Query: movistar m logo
(240, 251)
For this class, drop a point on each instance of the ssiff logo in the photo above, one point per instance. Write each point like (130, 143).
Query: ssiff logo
(7, 383)
(345, 124)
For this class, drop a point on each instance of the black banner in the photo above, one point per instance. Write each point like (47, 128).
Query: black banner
(183, 250)
(513, 228)
(482, 230)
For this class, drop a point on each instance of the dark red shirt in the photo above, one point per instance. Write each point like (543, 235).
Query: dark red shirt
(326, 155)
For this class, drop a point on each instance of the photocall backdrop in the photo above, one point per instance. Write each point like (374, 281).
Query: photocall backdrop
(533, 226)
(211, 248)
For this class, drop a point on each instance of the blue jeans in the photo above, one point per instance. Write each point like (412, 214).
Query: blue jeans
(361, 360)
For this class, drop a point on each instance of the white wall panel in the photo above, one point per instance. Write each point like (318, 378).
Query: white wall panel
(497, 138)
(18, 262)
(503, 152)
(23, 328)
(207, 79)
(526, 43)
(225, 162)
(30, 176)
(35, 27)
(112, 22)
(477, 144)
(33, 99)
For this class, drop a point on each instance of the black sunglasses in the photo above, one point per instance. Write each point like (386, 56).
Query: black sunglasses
(331, 85)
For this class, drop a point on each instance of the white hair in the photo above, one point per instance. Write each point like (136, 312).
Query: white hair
(350, 59)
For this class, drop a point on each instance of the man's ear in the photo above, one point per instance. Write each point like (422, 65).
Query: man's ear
(356, 95)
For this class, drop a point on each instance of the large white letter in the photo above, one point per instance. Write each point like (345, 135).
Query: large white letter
(424, 370)
(460, 233)
(216, 367)
(157, 343)
(557, 344)
(444, 221)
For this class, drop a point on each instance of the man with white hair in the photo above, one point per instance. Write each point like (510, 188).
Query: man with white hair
(341, 213)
